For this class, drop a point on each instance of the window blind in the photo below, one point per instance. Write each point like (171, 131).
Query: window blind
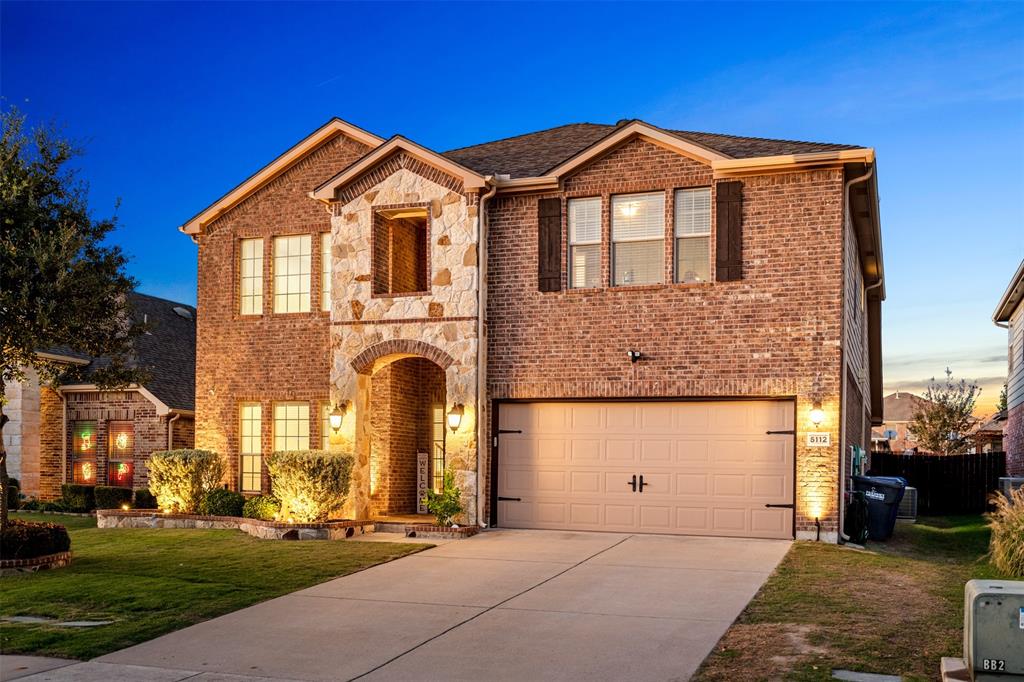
(638, 216)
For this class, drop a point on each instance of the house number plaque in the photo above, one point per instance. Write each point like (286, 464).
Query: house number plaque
(819, 439)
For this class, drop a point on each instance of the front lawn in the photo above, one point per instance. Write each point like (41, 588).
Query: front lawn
(150, 582)
(896, 608)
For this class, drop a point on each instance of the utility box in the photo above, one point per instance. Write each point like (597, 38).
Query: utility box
(994, 630)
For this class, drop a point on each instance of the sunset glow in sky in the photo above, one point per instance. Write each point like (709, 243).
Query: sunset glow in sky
(177, 103)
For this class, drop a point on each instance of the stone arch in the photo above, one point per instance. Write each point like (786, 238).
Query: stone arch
(367, 361)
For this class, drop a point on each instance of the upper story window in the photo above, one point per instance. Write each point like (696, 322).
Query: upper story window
(400, 251)
(585, 243)
(693, 235)
(291, 426)
(325, 271)
(292, 264)
(638, 239)
(251, 276)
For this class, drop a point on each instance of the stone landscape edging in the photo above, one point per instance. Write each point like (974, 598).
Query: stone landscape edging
(39, 563)
(258, 528)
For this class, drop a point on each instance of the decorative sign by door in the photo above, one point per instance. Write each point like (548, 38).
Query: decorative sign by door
(422, 480)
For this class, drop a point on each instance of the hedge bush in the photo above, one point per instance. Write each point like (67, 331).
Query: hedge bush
(144, 499)
(180, 478)
(78, 498)
(261, 507)
(1007, 523)
(112, 497)
(222, 502)
(13, 496)
(26, 540)
(311, 484)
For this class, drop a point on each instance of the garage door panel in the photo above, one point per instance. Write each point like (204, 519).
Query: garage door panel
(709, 466)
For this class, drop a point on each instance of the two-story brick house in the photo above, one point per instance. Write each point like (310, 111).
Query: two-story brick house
(680, 331)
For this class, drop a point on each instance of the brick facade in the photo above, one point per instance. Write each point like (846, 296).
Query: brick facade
(270, 357)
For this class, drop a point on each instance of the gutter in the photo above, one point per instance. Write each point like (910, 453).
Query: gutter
(481, 349)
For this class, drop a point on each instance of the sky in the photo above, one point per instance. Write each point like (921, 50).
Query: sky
(175, 104)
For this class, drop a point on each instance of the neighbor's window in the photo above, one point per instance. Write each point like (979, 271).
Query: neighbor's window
(638, 239)
(83, 452)
(584, 243)
(292, 264)
(251, 276)
(693, 235)
(120, 452)
(325, 271)
(251, 447)
(400, 251)
(291, 426)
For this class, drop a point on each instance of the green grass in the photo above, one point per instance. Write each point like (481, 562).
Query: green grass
(150, 582)
(896, 608)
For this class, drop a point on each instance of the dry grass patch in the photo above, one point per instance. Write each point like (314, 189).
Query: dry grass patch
(894, 609)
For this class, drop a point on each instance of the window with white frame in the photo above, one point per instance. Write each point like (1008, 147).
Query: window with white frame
(693, 235)
(585, 243)
(292, 264)
(325, 271)
(291, 426)
(250, 268)
(638, 239)
(325, 426)
(251, 447)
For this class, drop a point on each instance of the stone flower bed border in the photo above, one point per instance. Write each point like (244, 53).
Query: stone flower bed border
(39, 563)
(266, 530)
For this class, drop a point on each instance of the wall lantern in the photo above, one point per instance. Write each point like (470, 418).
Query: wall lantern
(817, 414)
(336, 416)
(455, 416)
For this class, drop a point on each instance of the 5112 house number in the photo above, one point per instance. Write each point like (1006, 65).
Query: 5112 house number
(819, 439)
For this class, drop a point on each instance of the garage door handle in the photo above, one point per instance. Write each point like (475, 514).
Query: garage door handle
(510, 499)
(642, 484)
(632, 483)
(781, 506)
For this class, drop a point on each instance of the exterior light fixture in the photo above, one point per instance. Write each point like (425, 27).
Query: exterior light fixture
(337, 414)
(817, 414)
(125, 507)
(634, 355)
(455, 416)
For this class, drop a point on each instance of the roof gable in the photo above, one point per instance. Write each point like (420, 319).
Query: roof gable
(275, 168)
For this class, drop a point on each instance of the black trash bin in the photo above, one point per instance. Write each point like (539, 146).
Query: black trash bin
(883, 495)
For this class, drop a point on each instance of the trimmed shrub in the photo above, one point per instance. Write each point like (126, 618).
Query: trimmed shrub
(26, 540)
(447, 504)
(180, 478)
(78, 498)
(261, 507)
(13, 496)
(54, 506)
(31, 505)
(222, 502)
(1007, 524)
(112, 497)
(144, 499)
(11, 480)
(311, 484)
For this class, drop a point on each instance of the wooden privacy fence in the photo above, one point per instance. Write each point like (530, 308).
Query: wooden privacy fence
(946, 484)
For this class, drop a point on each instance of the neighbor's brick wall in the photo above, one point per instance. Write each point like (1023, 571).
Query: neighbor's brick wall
(183, 434)
(270, 357)
(769, 334)
(51, 436)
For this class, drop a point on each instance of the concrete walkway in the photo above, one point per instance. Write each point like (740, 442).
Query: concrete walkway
(505, 605)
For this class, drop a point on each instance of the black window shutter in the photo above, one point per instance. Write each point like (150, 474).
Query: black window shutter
(729, 231)
(549, 244)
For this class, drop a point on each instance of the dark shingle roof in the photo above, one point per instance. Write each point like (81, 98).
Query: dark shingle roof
(536, 153)
(167, 351)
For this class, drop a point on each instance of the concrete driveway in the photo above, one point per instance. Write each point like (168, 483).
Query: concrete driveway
(505, 605)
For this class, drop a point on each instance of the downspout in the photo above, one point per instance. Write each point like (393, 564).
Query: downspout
(170, 430)
(481, 351)
(848, 224)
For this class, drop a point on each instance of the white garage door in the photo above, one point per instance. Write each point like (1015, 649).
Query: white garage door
(708, 468)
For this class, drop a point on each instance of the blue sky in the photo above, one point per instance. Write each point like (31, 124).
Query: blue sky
(177, 103)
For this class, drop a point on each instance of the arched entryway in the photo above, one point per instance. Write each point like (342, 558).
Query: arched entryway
(407, 434)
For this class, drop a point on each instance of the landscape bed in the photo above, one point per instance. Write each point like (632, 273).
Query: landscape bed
(149, 583)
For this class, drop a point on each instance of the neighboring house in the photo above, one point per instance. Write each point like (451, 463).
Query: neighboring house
(899, 409)
(662, 313)
(1009, 314)
(987, 435)
(76, 433)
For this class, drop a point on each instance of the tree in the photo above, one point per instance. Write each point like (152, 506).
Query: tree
(940, 424)
(60, 285)
(1001, 405)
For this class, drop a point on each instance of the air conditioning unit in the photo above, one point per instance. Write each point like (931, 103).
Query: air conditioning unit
(908, 505)
(1008, 483)
(994, 629)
